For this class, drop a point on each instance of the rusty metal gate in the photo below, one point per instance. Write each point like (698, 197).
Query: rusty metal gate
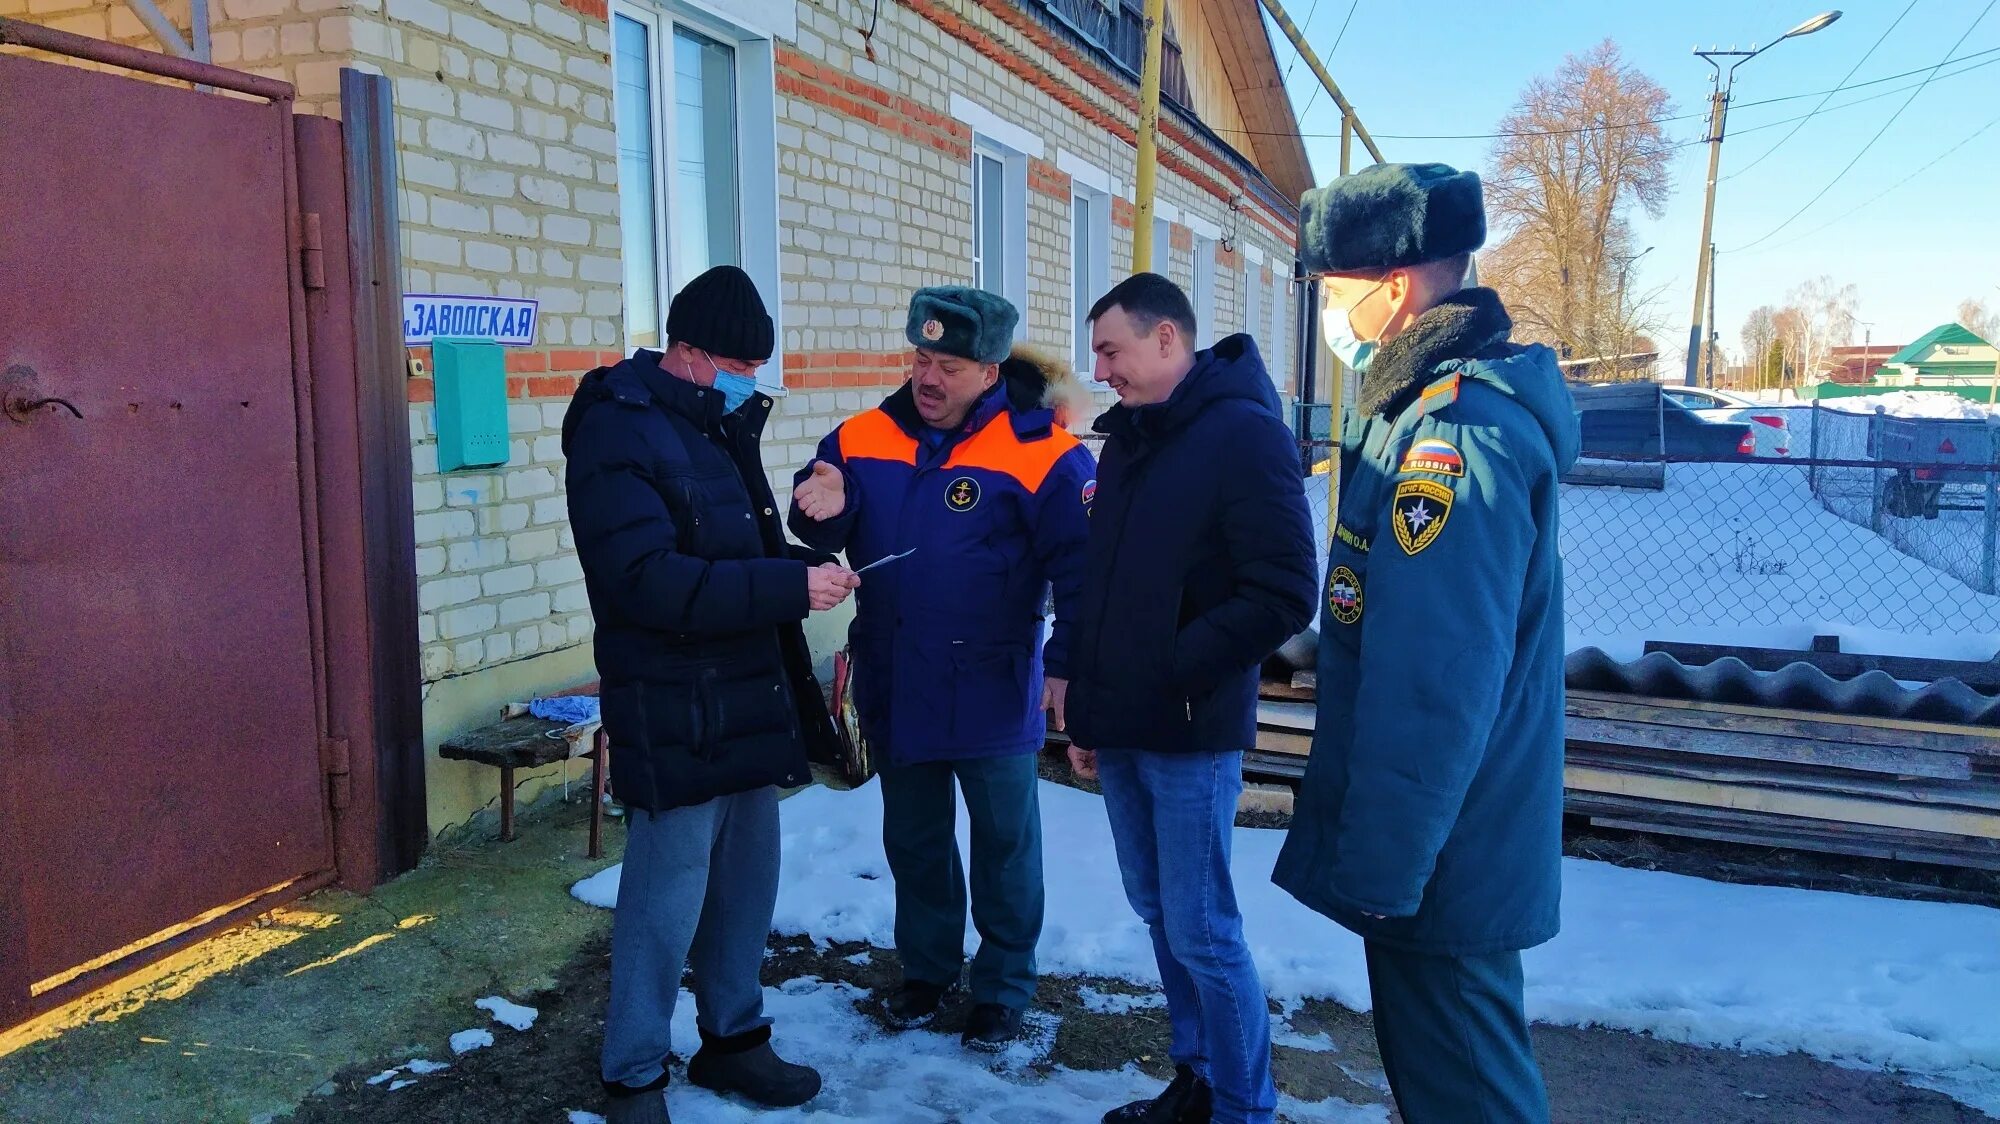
(164, 746)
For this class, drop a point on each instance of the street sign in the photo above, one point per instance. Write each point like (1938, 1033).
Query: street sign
(507, 321)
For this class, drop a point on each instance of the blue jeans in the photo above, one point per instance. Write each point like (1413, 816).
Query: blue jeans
(1172, 815)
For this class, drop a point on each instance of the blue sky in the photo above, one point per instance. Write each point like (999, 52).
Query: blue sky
(1424, 70)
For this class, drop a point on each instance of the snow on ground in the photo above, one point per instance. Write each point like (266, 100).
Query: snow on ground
(1914, 404)
(507, 1013)
(920, 1076)
(1871, 982)
(1743, 553)
(466, 1041)
(1119, 1003)
(600, 889)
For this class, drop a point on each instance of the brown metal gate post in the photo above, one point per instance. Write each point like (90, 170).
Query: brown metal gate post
(367, 107)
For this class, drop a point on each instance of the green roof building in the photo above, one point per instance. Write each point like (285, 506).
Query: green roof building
(1948, 355)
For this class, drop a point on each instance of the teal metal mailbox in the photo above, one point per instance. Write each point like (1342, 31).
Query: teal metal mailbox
(471, 383)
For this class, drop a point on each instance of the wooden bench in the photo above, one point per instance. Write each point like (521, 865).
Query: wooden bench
(522, 741)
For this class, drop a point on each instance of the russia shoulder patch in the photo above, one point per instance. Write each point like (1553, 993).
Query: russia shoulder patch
(1435, 456)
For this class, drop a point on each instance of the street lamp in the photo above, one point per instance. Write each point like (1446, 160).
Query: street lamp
(1718, 112)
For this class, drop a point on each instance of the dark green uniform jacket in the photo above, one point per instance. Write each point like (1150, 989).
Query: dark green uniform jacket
(1433, 796)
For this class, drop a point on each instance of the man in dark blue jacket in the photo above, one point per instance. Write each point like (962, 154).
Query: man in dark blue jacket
(1200, 566)
(1430, 818)
(973, 503)
(708, 693)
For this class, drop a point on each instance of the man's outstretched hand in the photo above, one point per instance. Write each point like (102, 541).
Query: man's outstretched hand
(823, 495)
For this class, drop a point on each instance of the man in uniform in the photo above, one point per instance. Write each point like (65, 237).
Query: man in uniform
(1430, 816)
(970, 502)
(708, 693)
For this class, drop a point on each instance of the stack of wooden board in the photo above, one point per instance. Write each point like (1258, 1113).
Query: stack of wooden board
(1878, 787)
(1834, 783)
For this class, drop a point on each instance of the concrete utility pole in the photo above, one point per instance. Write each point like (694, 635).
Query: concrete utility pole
(1993, 392)
(1713, 335)
(1718, 113)
(1149, 137)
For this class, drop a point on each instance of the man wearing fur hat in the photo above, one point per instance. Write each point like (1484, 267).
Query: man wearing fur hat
(1429, 821)
(974, 502)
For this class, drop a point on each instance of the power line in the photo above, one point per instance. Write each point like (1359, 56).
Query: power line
(1965, 69)
(1871, 140)
(1829, 95)
(1310, 13)
(1329, 55)
(1849, 213)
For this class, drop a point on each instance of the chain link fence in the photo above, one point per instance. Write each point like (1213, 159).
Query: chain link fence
(1866, 527)
(1928, 486)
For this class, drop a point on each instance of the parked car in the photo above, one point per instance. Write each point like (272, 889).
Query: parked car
(1774, 435)
(1638, 420)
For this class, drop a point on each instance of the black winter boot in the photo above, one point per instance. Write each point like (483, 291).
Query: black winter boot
(915, 1004)
(991, 1027)
(648, 1107)
(747, 1066)
(1188, 1100)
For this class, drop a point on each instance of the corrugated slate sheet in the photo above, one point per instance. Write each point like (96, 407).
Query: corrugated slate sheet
(1800, 686)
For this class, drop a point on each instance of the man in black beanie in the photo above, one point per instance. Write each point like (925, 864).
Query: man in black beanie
(708, 693)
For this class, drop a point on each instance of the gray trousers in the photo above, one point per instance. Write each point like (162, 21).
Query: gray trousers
(697, 891)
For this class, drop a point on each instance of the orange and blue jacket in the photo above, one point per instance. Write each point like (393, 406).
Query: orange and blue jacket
(948, 644)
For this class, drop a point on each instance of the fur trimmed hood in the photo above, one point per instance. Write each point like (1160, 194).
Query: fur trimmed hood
(1037, 379)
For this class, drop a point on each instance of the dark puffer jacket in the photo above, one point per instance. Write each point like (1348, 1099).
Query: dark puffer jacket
(707, 681)
(1200, 563)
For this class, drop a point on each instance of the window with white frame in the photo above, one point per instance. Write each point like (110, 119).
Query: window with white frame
(1203, 296)
(1163, 248)
(1090, 268)
(697, 160)
(1253, 304)
(1000, 220)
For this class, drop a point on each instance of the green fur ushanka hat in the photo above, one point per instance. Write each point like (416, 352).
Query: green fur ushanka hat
(969, 323)
(1389, 216)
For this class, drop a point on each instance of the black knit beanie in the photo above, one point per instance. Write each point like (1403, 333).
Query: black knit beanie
(721, 313)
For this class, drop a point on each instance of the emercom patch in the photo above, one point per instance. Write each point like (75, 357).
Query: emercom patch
(1420, 510)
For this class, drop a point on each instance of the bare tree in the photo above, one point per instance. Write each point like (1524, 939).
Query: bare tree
(1984, 321)
(1760, 331)
(1583, 146)
(1819, 318)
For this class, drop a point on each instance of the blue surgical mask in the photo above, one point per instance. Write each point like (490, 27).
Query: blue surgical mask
(1338, 331)
(735, 389)
(1339, 334)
